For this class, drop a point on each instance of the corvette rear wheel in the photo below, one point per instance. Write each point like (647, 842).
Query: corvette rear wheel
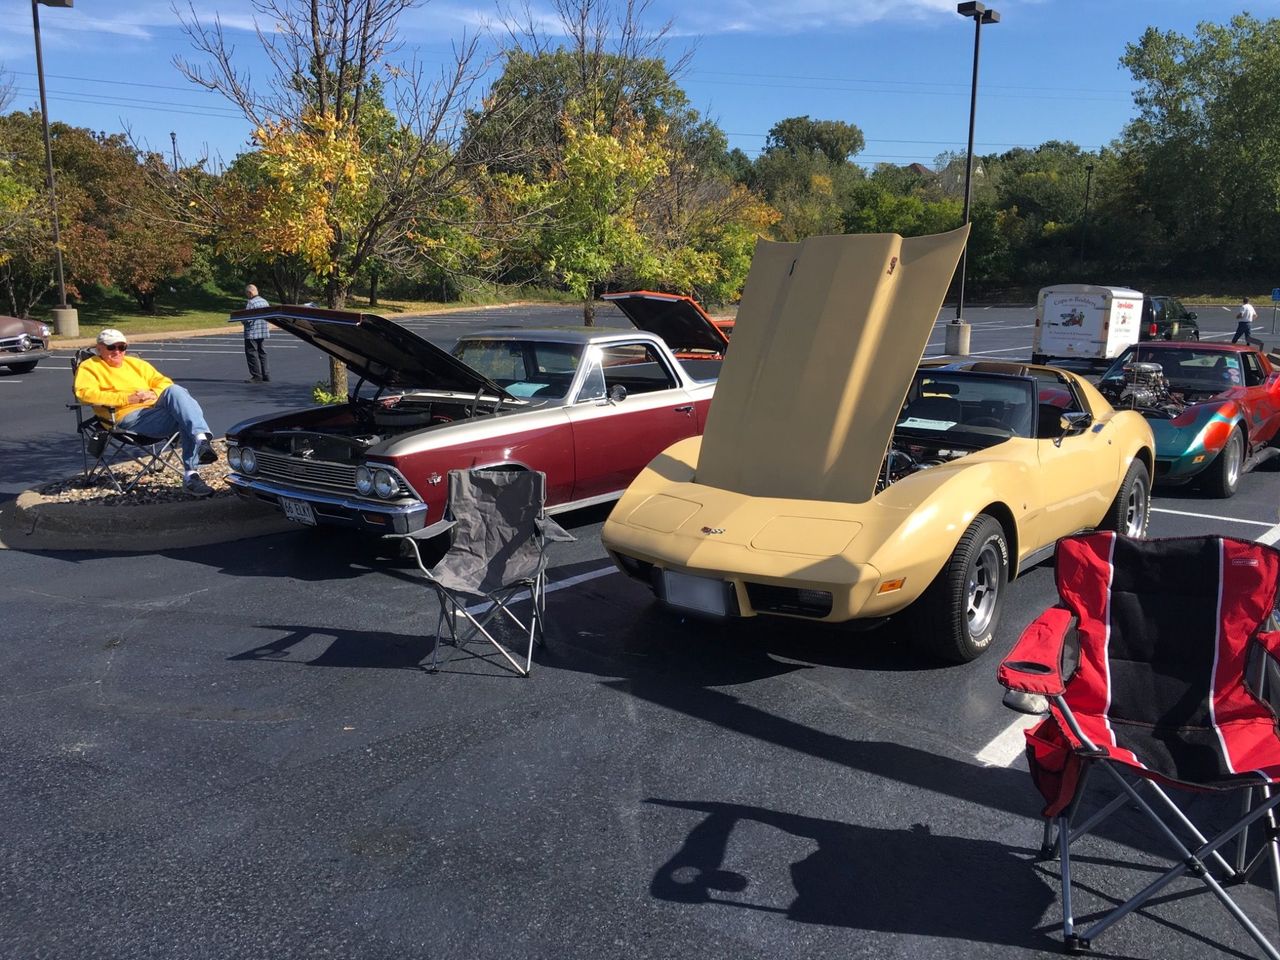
(1222, 479)
(957, 615)
(1131, 509)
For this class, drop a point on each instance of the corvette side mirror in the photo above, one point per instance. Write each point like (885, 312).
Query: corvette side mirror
(1077, 421)
(617, 393)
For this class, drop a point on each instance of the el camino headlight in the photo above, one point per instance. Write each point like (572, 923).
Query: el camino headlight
(233, 457)
(364, 481)
(384, 485)
(248, 460)
(45, 331)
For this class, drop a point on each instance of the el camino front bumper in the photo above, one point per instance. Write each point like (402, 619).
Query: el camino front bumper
(370, 516)
(24, 356)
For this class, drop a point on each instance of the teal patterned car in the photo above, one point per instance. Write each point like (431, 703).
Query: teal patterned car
(1214, 408)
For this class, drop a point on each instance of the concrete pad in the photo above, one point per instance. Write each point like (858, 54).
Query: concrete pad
(32, 522)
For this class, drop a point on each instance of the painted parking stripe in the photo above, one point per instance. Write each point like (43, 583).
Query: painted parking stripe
(1212, 516)
(1006, 747)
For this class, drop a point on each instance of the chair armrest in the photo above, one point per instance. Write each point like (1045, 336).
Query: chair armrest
(551, 530)
(429, 532)
(1035, 663)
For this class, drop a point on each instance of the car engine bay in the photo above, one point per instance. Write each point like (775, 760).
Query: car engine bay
(908, 456)
(1145, 388)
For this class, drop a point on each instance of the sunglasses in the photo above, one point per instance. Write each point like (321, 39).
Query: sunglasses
(115, 347)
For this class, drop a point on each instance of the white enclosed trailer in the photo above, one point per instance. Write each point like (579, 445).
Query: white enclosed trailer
(1085, 322)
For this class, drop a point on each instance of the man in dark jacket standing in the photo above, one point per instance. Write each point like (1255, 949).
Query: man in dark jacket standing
(255, 337)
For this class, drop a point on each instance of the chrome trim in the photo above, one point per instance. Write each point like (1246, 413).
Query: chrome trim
(318, 474)
(411, 516)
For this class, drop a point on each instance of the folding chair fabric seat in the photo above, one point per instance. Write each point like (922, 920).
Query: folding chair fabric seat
(1145, 664)
(499, 532)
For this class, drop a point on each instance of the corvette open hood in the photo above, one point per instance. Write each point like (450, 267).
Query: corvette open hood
(828, 336)
(382, 352)
(678, 321)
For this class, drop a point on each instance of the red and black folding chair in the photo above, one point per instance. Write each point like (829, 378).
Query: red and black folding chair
(1144, 666)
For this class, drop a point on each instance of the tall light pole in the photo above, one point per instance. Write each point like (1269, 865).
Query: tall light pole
(66, 320)
(958, 330)
(1084, 221)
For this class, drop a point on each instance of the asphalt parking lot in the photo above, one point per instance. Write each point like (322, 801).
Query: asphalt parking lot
(231, 751)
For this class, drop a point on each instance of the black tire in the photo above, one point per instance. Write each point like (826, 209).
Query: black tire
(1130, 511)
(1038, 358)
(1195, 335)
(23, 367)
(957, 615)
(1222, 479)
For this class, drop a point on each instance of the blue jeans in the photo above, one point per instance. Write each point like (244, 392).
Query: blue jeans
(175, 410)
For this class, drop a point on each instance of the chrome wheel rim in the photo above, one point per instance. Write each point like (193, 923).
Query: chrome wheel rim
(983, 589)
(1232, 453)
(1135, 517)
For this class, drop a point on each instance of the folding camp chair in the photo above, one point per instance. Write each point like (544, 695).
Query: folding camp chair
(1150, 664)
(497, 554)
(111, 447)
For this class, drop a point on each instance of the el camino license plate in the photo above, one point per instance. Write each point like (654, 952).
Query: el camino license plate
(695, 593)
(298, 510)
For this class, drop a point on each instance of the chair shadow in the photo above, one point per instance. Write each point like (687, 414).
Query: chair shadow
(867, 878)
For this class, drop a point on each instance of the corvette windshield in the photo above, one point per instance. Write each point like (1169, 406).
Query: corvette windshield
(1189, 369)
(959, 403)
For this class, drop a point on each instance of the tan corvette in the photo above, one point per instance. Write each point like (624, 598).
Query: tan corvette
(840, 479)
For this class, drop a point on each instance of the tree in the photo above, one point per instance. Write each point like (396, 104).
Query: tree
(357, 173)
(595, 190)
(1205, 146)
(834, 139)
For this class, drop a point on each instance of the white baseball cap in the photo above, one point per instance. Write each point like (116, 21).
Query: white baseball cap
(111, 335)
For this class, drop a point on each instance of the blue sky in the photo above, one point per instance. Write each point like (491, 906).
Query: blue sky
(899, 69)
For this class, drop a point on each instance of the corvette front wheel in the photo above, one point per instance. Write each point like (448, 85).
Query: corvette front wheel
(1130, 511)
(1222, 479)
(957, 615)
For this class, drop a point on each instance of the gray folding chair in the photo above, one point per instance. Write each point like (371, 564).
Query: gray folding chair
(498, 554)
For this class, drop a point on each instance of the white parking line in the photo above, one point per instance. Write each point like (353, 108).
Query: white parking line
(1008, 745)
(1211, 516)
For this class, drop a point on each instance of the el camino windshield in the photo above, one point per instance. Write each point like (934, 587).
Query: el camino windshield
(529, 369)
(969, 407)
(1185, 369)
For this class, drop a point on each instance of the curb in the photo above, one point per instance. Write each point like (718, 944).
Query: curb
(32, 523)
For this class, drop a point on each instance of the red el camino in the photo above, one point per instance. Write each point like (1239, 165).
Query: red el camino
(588, 406)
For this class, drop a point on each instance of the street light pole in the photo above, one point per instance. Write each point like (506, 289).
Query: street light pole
(1084, 221)
(958, 339)
(65, 319)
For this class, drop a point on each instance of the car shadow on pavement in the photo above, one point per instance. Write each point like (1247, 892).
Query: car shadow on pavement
(867, 878)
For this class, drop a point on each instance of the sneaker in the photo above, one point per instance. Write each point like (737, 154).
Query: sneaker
(255, 380)
(205, 452)
(196, 486)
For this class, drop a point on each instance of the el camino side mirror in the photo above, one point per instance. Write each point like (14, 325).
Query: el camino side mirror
(617, 393)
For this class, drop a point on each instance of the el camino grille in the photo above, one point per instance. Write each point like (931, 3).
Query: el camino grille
(311, 473)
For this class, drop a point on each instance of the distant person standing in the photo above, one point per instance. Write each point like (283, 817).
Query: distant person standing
(1244, 324)
(255, 337)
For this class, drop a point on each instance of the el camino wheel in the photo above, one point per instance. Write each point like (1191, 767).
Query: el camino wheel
(1222, 479)
(1131, 509)
(956, 617)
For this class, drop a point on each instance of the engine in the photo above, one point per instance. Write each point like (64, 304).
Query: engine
(904, 459)
(1144, 388)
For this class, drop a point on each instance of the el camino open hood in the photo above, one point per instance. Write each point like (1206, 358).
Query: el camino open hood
(382, 352)
(828, 336)
(678, 321)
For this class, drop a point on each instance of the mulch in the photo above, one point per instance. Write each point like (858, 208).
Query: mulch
(162, 487)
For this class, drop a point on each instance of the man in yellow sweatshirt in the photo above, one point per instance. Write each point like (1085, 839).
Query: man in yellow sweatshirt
(145, 401)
